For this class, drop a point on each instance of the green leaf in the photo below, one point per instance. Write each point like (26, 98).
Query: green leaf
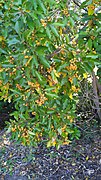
(67, 38)
(76, 17)
(8, 130)
(15, 114)
(30, 23)
(34, 15)
(63, 81)
(72, 22)
(49, 88)
(48, 32)
(34, 2)
(92, 56)
(35, 61)
(59, 131)
(89, 44)
(50, 112)
(83, 33)
(42, 6)
(8, 65)
(52, 95)
(40, 50)
(31, 133)
(85, 3)
(17, 27)
(75, 81)
(65, 104)
(44, 62)
(38, 76)
(88, 67)
(98, 30)
(58, 24)
(19, 2)
(62, 67)
(53, 29)
(2, 51)
(13, 41)
(15, 91)
(57, 60)
(53, 75)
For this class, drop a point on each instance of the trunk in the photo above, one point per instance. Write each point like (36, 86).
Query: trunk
(96, 92)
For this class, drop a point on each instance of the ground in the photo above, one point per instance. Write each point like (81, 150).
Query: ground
(81, 160)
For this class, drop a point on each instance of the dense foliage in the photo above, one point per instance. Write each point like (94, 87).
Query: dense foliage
(47, 48)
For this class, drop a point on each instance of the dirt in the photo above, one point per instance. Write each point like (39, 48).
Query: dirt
(80, 160)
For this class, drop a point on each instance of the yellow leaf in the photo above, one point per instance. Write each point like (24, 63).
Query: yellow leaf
(54, 143)
(73, 88)
(28, 61)
(87, 158)
(56, 73)
(85, 75)
(86, 178)
(2, 38)
(73, 164)
(66, 143)
(33, 113)
(91, 8)
(10, 155)
(49, 144)
(50, 83)
(61, 31)
(9, 99)
(70, 96)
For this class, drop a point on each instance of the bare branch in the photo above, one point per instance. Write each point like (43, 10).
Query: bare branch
(54, 53)
(78, 3)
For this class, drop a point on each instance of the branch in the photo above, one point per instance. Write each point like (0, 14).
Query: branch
(54, 53)
(78, 4)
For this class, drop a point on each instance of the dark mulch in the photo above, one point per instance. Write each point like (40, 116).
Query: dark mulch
(79, 161)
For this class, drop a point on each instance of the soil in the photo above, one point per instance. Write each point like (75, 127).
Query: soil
(80, 160)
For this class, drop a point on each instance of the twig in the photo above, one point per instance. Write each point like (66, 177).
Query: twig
(57, 51)
(55, 170)
(78, 4)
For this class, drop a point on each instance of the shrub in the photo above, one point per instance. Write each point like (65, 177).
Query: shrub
(44, 55)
